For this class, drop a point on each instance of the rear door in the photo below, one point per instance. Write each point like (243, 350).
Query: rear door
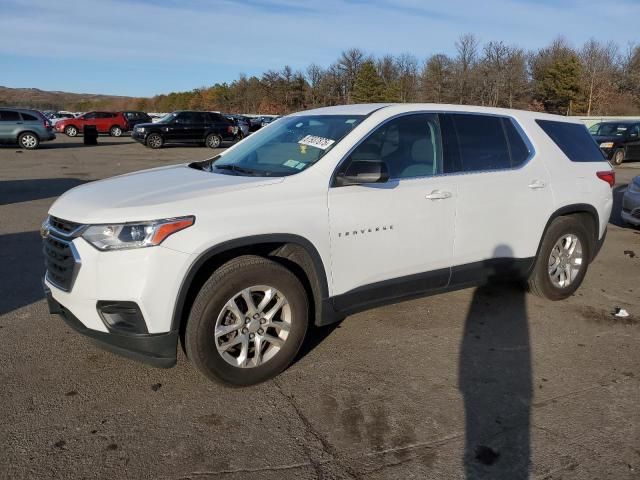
(33, 122)
(504, 198)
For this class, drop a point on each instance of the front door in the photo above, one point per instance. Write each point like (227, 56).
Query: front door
(395, 238)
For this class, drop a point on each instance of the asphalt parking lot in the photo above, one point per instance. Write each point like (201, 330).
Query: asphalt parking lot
(519, 383)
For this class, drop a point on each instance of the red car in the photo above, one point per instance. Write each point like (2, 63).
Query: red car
(112, 123)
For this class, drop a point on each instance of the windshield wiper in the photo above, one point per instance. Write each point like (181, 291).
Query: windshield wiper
(235, 168)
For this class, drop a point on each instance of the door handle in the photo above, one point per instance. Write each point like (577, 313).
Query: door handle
(438, 195)
(537, 184)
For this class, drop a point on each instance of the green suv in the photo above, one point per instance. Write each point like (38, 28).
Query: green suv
(27, 128)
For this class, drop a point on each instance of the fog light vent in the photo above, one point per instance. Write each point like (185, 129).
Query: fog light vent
(122, 317)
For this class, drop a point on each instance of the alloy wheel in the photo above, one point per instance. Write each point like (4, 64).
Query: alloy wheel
(29, 141)
(253, 326)
(565, 260)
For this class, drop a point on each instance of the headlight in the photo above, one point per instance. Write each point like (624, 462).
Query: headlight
(139, 129)
(134, 235)
(606, 145)
(634, 187)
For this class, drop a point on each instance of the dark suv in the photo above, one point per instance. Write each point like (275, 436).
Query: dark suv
(206, 128)
(134, 118)
(619, 141)
(27, 128)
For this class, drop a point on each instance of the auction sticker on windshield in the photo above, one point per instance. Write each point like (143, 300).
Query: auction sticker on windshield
(318, 142)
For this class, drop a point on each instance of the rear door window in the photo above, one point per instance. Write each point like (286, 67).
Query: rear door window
(573, 139)
(482, 144)
(9, 116)
(27, 117)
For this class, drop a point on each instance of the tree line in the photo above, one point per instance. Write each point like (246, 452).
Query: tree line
(597, 78)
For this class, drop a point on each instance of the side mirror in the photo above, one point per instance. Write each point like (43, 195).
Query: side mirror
(362, 172)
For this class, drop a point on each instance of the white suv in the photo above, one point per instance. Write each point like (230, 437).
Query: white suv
(321, 214)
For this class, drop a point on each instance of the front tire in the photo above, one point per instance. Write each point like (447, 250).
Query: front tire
(71, 131)
(213, 141)
(247, 322)
(115, 131)
(618, 157)
(562, 261)
(28, 141)
(155, 141)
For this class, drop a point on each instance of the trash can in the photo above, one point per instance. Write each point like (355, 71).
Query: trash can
(90, 135)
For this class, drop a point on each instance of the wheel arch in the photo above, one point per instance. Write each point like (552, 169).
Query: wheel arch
(293, 251)
(588, 215)
(22, 132)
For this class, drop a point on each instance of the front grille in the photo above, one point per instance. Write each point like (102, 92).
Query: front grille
(63, 227)
(62, 265)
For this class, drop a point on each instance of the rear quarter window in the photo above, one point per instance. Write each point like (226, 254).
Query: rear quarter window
(573, 139)
(29, 118)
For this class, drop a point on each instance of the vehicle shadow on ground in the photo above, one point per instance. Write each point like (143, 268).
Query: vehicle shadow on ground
(16, 191)
(22, 272)
(495, 379)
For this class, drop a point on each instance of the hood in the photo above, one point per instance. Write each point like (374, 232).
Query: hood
(150, 194)
(146, 124)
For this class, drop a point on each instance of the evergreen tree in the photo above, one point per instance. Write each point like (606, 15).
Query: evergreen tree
(369, 86)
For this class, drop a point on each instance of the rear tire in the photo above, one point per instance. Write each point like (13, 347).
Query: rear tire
(28, 141)
(155, 140)
(71, 131)
(220, 306)
(562, 261)
(115, 131)
(618, 157)
(213, 141)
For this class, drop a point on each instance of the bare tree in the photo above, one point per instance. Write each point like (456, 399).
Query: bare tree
(349, 63)
(407, 67)
(436, 79)
(465, 62)
(598, 72)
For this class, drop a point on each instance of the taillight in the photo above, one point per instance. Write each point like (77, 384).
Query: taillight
(47, 124)
(608, 176)
(230, 129)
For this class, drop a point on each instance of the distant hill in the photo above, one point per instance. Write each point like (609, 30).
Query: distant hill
(48, 100)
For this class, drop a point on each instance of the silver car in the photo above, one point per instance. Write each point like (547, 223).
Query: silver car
(631, 203)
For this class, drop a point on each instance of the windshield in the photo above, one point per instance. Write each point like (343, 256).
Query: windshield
(286, 147)
(167, 118)
(612, 129)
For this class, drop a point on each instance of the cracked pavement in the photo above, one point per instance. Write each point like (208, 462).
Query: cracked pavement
(478, 383)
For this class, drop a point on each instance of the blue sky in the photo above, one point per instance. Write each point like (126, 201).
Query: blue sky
(146, 47)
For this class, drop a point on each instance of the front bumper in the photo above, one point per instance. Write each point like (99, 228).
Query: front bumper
(140, 137)
(158, 350)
